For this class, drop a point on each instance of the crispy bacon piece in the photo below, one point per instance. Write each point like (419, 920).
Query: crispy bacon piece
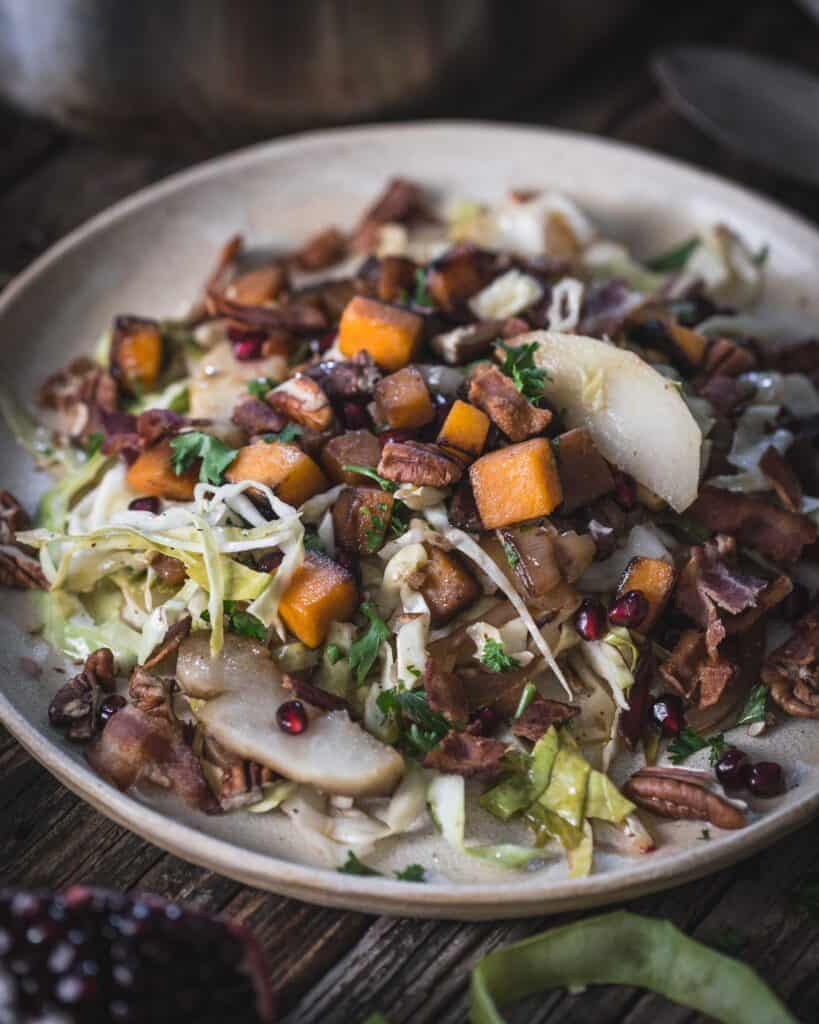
(496, 394)
(322, 250)
(354, 378)
(397, 203)
(136, 746)
(80, 393)
(170, 643)
(540, 716)
(411, 462)
(471, 341)
(585, 475)
(772, 531)
(782, 478)
(698, 676)
(458, 274)
(254, 416)
(791, 672)
(314, 695)
(298, 317)
(446, 694)
(461, 753)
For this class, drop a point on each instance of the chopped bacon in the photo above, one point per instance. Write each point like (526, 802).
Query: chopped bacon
(136, 746)
(314, 695)
(497, 396)
(411, 462)
(322, 250)
(461, 753)
(782, 478)
(791, 672)
(354, 378)
(254, 416)
(397, 203)
(772, 531)
(463, 511)
(446, 694)
(155, 424)
(692, 672)
(728, 358)
(298, 317)
(540, 716)
(170, 643)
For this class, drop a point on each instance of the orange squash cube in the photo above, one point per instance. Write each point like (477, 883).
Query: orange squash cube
(654, 578)
(136, 354)
(320, 592)
(403, 399)
(515, 484)
(391, 335)
(152, 475)
(464, 430)
(285, 468)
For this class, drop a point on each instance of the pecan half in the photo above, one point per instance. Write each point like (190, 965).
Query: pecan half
(791, 672)
(169, 570)
(80, 393)
(75, 707)
(669, 796)
(412, 462)
(497, 395)
(151, 694)
(256, 417)
(303, 400)
(460, 753)
(170, 642)
(13, 518)
(19, 570)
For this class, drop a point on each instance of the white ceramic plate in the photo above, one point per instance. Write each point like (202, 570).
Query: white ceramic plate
(150, 254)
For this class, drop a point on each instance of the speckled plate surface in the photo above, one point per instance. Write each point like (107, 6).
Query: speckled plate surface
(150, 254)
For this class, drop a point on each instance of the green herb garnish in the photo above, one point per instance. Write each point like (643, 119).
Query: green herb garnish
(412, 873)
(333, 653)
(354, 866)
(689, 742)
(495, 657)
(383, 483)
(260, 386)
(421, 296)
(674, 258)
(512, 556)
(520, 366)
(427, 727)
(755, 706)
(215, 456)
(287, 434)
(312, 542)
(240, 622)
(364, 651)
(526, 698)
(94, 443)
(761, 258)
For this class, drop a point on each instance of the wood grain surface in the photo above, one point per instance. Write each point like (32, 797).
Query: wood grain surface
(338, 967)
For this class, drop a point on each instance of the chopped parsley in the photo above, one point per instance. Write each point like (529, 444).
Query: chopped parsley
(520, 366)
(425, 729)
(312, 542)
(412, 873)
(755, 706)
(689, 742)
(383, 483)
(495, 657)
(94, 443)
(215, 456)
(240, 622)
(512, 556)
(526, 698)
(421, 296)
(705, 834)
(365, 650)
(354, 866)
(333, 653)
(287, 434)
(675, 258)
(375, 526)
(414, 671)
(260, 386)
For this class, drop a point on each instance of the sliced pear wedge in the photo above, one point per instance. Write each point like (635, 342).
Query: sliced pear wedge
(243, 689)
(637, 417)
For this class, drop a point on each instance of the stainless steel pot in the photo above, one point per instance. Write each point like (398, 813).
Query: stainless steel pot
(224, 71)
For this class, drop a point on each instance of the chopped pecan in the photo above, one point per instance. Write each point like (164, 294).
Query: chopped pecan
(397, 203)
(772, 531)
(322, 250)
(782, 478)
(169, 570)
(80, 393)
(314, 695)
(791, 672)
(301, 399)
(254, 416)
(354, 378)
(13, 518)
(151, 694)
(670, 796)
(101, 663)
(19, 570)
(461, 753)
(76, 705)
(446, 694)
(497, 395)
(412, 462)
(170, 642)
(540, 716)
(154, 425)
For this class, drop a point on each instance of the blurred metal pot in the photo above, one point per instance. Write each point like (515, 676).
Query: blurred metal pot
(224, 71)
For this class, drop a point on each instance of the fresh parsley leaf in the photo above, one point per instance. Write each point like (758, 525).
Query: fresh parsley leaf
(705, 834)
(353, 866)
(414, 671)
(412, 873)
(495, 657)
(365, 649)
(94, 443)
(215, 456)
(260, 386)
(181, 401)
(375, 525)
(512, 556)
(426, 727)
(520, 366)
(526, 698)
(399, 521)
(241, 622)
(333, 653)
(755, 706)
(689, 742)
(421, 740)
(383, 483)
(718, 747)
(287, 434)
(312, 542)
(675, 258)
(421, 296)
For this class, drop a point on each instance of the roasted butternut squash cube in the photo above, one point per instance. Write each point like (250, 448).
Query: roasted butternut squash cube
(584, 473)
(361, 519)
(464, 430)
(137, 354)
(515, 484)
(690, 345)
(283, 467)
(403, 401)
(391, 335)
(352, 448)
(153, 475)
(448, 587)
(654, 578)
(320, 592)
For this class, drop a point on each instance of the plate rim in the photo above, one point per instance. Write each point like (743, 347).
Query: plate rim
(324, 886)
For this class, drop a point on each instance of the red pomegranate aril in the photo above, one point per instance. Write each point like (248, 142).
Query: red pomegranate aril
(764, 778)
(111, 705)
(590, 619)
(629, 610)
(248, 349)
(149, 504)
(355, 416)
(625, 489)
(487, 720)
(730, 769)
(396, 435)
(292, 717)
(270, 561)
(667, 712)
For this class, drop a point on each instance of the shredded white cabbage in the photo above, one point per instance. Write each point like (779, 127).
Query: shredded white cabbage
(506, 296)
(643, 541)
(565, 305)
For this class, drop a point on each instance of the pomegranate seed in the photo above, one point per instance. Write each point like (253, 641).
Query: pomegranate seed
(625, 489)
(629, 610)
(667, 712)
(292, 717)
(395, 435)
(487, 719)
(355, 416)
(111, 705)
(247, 349)
(270, 561)
(146, 505)
(326, 340)
(731, 767)
(764, 778)
(590, 619)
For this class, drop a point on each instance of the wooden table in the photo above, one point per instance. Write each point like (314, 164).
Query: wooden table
(338, 967)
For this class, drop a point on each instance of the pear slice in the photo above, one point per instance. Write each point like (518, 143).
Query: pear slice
(637, 417)
(243, 689)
